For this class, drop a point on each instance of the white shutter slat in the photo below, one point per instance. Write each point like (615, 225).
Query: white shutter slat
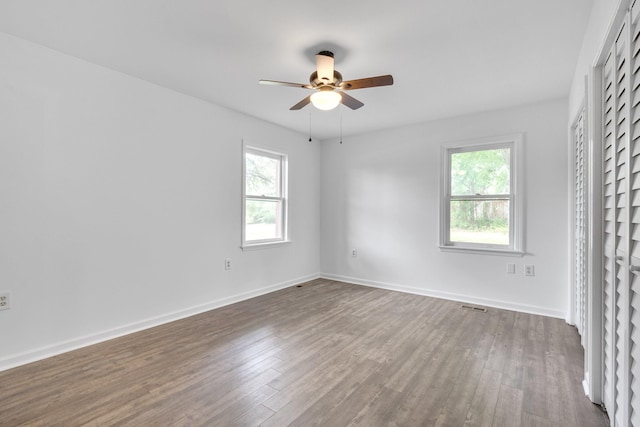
(635, 233)
(608, 154)
(635, 86)
(635, 65)
(635, 16)
(609, 129)
(635, 114)
(634, 164)
(635, 135)
(635, 215)
(609, 216)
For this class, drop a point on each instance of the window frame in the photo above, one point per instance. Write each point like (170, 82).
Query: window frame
(516, 195)
(283, 160)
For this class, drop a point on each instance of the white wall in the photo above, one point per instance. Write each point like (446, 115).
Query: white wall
(120, 201)
(380, 196)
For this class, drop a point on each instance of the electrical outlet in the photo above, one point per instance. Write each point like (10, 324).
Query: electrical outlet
(227, 263)
(5, 301)
(529, 270)
(354, 253)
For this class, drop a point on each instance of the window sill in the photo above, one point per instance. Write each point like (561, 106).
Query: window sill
(264, 245)
(482, 251)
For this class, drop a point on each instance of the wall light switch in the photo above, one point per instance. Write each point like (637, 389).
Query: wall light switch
(511, 269)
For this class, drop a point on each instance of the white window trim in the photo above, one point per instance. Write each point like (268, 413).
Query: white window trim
(516, 229)
(284, 178)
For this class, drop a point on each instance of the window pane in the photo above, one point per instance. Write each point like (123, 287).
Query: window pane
(263, 175)
(263, 220)
(480, 172)
(480, 221)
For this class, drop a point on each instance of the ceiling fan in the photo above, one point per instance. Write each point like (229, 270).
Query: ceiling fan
(329, 86)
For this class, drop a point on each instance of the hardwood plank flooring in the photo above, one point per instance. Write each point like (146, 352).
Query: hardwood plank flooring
(325, 353)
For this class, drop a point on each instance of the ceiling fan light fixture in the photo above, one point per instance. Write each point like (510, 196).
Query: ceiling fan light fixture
(325, 80)
(325, 99)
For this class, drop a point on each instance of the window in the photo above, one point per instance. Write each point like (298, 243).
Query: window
(265, 202)
(481, 197)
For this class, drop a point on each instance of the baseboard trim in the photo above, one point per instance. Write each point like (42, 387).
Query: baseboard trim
(530, 309)
(20, 359)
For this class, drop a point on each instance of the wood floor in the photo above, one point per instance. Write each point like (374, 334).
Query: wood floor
(325, 353)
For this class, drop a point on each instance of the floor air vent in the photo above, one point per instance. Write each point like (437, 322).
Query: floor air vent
(473, 308)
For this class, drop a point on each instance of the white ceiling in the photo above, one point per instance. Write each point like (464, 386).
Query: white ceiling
(447, 57)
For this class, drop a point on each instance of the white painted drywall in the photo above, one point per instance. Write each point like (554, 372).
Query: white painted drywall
(380, 196)
(120, 200)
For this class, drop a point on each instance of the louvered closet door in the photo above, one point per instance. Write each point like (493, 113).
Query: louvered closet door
(633, 306)
(609, 233)
(616, 227)
(580, 227)
(621, 225)
(621, 283)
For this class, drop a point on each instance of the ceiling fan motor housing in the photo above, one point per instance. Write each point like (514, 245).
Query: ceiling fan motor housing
(317, 82)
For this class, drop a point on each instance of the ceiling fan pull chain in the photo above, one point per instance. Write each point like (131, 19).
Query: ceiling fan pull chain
(309, 125)
(340, 124)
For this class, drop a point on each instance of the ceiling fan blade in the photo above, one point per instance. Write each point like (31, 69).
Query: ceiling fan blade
(324, 66)
(301, 104)
(277, 83)
(367, 82)
(350, 101)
